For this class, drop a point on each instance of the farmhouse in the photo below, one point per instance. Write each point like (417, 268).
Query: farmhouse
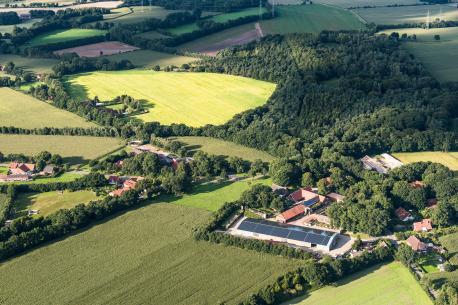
(403, 214)
(127, 185)
(21, 168)
(297, 210)
(416, 244)
(381, 164)
(294, 235)
(12, 178)
(422, 226)
(307, 197)
(48, 170)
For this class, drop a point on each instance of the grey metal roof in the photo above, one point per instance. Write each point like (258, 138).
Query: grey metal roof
(261, 226)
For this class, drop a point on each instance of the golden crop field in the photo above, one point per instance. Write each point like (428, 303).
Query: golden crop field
(194, 99)
(20, 110)
(449, 159)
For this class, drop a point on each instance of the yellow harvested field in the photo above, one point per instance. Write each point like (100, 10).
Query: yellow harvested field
(20, 110)
(449, 159)
(194, 99)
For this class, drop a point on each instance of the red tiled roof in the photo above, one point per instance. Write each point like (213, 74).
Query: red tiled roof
(424, 225)
(402, 213)
(118, 192)
(415, 243)
(291, 213)
(303, 195)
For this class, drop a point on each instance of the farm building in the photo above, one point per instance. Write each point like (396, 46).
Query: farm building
(294, 235)
(307, 197)
(292, 213)
(381, 164)
(21, 168)
(127, 185)
(416, 244)
(48, 170)
(422, 226)
(334, 197)
(12, 178)
(403, 214)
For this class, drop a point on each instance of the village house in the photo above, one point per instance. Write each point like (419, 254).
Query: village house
(48, 170)
(127, 185)
(297, 210)
(423, 226)
(307, 197)
(403, 214)
(16, 168)
(416, 244)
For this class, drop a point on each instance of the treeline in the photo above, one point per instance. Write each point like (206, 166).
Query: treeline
(205, 5)
(6, 203)
(71, 64)
(40, 160)
(41, 13)
(66, 131)
(434, 24)
(9, 18)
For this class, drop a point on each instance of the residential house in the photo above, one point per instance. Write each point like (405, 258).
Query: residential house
(307, 197)
(297, 210)
(403, 214)
(422, 226)
(48, 170)
(127, 185)
(16, 168)
(416, 244)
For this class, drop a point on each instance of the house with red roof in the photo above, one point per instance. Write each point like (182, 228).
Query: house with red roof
(297, 210)
(423, 226)
(416, 244)
(403, 214)
(307, 197)
(16, 168)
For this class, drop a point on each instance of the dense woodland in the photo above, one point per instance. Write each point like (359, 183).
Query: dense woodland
(208, 5)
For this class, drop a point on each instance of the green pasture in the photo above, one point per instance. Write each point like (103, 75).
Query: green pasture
(149, 59)
(362, 3)
(63, 36)
(449, 159)
(387, 284)
(37, 65)
(310, 19)
(220, 147)
(428, 262)
(50, 202)
(65, 177)
(450, 242)
(221, 18)
(211, 196)
(25, 24)
(20, 110)
(4, 170)
(145, 256)
(136, 14)
(407, 14)
(194, 99)
(74, 149)
(437, 56)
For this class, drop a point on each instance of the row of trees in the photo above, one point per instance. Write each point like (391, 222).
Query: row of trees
(40, 160)
(8, 18)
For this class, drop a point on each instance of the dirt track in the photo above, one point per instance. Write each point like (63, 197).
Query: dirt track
(99, 49)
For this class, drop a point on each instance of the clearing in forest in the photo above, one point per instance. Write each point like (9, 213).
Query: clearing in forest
(23, 111)
(63, 36)
(220, 147)
(449, 159)
(99, 265)
(381, 285)
(50, 202)
(194, 99)
(74, 149)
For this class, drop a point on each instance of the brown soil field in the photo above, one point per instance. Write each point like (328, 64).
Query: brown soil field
(213, 49)
(99, 49)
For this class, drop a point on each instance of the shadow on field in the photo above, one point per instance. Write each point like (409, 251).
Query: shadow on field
(75, 160)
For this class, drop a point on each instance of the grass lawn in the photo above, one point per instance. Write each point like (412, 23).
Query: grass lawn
(388, 284)
(449, 159)
(50, 202)
(4, 170)
(194, 99)
(149, 59)
(437, 56)
(75, 150)
(407, 14)
(450, 242)
(212, 196)
(20, 110)
(221, 18)
(65, 177)
(136, 14)
(64, 35)
(225, 148)
(428, 262)
(145, 256)
(310, 19)
(38, 65)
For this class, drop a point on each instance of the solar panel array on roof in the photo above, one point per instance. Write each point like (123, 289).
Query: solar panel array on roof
(313, 236)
